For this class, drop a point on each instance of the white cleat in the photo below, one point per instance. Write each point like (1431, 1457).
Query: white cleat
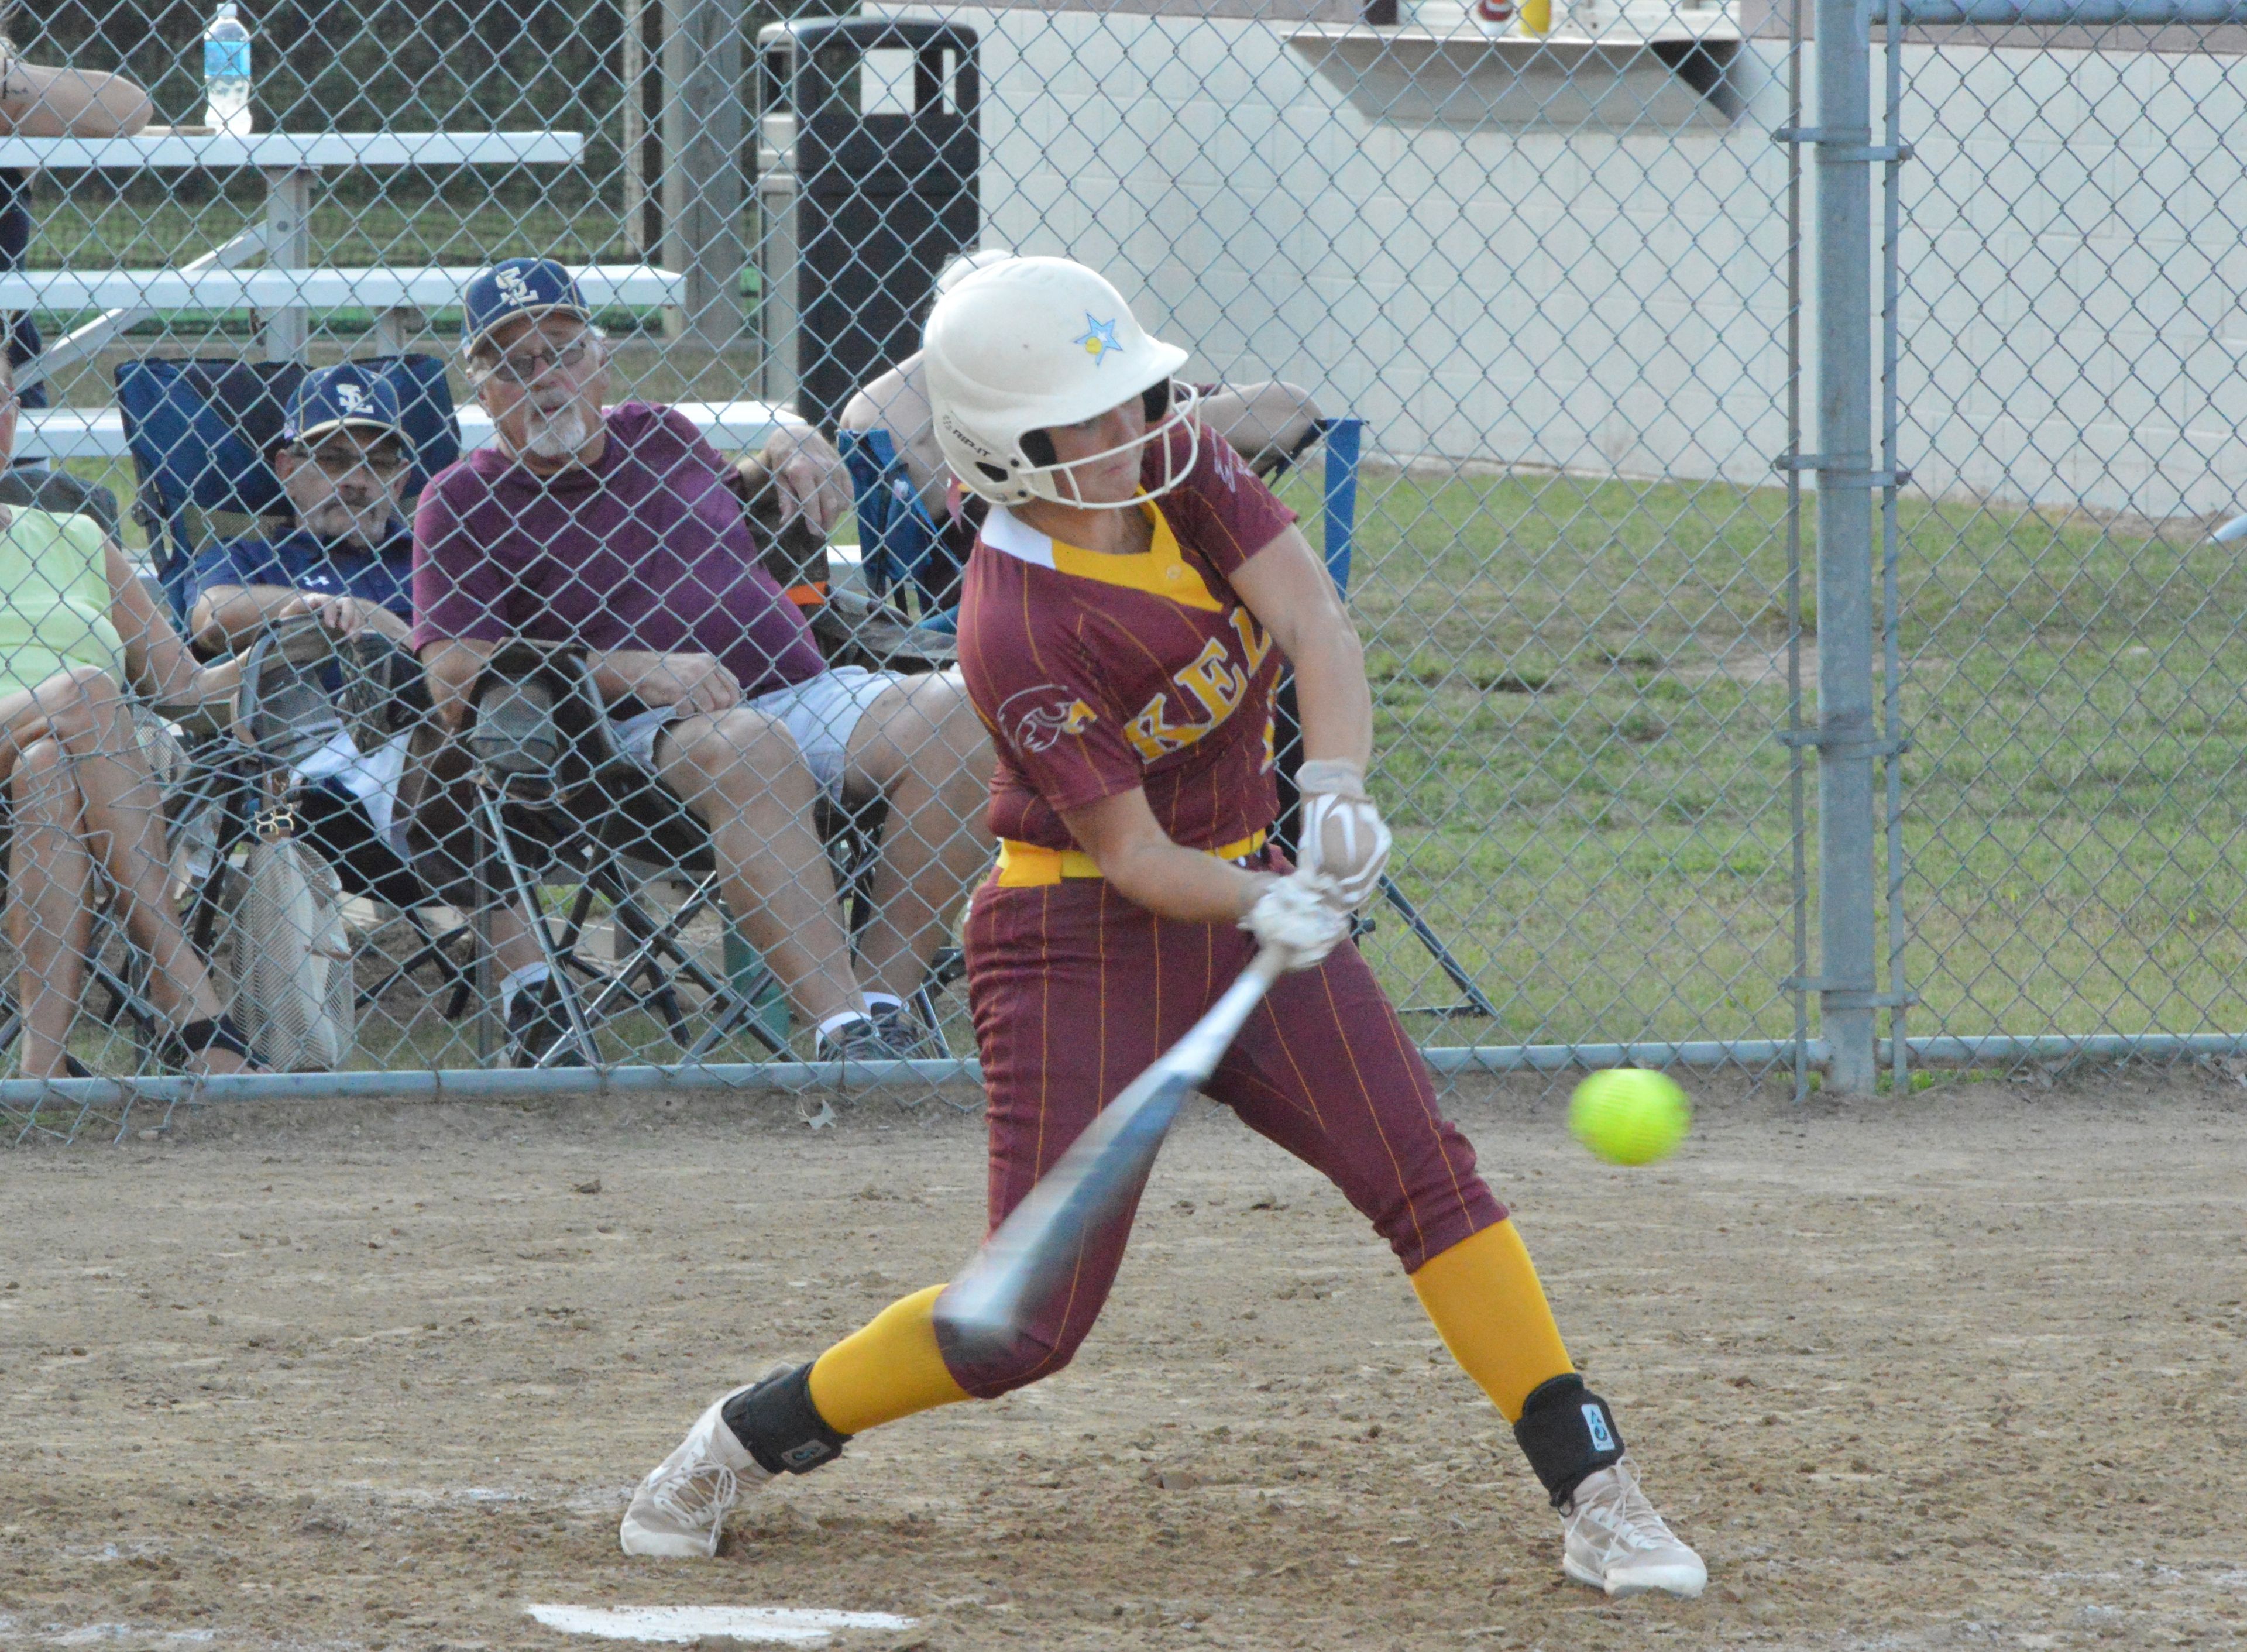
(679, 1510)
(1613, 1540)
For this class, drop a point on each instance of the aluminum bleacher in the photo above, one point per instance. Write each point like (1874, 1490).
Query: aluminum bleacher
(98, 432)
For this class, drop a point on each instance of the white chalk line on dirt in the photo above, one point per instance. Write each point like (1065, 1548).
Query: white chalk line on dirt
(678, 1625)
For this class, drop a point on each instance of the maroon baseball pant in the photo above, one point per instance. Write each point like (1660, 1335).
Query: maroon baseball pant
(1075, 990)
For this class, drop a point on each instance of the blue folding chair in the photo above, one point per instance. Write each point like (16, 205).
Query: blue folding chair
(900, 547)
(200, 432)
(1338, 496)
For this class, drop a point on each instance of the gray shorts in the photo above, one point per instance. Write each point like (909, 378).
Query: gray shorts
(820, 713)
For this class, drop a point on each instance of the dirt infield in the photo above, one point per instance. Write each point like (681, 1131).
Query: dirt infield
(1959, 1371)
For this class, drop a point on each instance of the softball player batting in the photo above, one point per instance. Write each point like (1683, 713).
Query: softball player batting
(1123, 617)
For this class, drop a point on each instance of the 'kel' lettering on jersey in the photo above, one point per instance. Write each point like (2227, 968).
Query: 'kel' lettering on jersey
(1098, 673)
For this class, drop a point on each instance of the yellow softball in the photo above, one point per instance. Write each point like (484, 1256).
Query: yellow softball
(1629, 1115)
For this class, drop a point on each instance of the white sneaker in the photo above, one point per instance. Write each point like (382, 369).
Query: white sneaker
(1613, 1540)
(679, 1509)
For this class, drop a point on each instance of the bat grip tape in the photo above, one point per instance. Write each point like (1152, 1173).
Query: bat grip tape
(778, 1425)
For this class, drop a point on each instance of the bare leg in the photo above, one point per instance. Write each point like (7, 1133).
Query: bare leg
(119, 808)
(515, 946)
(741, 774)
(125, 833)
(922, 746)
(50, 905)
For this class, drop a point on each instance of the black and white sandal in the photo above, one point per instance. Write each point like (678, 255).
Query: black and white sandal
(183, 1044)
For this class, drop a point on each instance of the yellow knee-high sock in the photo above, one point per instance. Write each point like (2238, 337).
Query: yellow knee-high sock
(888, 1368)
(1492, 1314)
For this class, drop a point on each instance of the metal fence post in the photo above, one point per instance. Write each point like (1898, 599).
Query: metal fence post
(632, 138)
(702, 192)
(778, 255)
(1846, 736)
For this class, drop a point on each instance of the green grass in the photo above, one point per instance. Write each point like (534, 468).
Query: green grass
(1578, 685)
(77, 232)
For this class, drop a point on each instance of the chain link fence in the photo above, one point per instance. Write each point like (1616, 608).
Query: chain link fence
(1515, 319)
(2071, 401)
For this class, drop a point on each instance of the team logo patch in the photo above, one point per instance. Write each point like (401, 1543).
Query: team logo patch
(1099, 338)
(349, 397)
(1596, 1421)
(1228, 468)
(1036, 718)
(514, 288)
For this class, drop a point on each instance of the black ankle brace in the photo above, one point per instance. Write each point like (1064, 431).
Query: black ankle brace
(778, 1425)
(1567, 1433)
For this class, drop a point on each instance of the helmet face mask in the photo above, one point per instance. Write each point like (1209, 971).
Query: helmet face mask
(1166, 407)
(1025, 347)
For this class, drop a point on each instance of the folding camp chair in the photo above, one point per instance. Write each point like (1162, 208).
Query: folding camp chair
(555, 803)
(200, 432)
(902, 552)
(904, 556)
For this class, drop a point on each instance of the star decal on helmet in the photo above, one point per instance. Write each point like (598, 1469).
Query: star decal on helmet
(1099, 338)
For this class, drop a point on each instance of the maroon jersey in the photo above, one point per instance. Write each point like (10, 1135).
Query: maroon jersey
(1096, 673)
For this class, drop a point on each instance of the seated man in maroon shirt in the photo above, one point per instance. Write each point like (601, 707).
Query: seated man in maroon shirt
(615, 530)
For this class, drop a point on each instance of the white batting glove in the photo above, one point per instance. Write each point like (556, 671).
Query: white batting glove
(1296, 916)
(1342, 838)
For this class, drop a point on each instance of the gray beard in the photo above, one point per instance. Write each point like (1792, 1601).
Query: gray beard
(366, 528)
(558, 434)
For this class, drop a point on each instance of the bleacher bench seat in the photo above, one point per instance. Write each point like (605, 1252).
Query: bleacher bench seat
(98, 432)
(433, 287)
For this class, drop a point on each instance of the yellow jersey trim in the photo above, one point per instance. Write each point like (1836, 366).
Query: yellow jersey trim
(1160, 570)
(1033, 866)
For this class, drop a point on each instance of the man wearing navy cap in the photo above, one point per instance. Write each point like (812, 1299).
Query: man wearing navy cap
(617, 530)
(344, 462)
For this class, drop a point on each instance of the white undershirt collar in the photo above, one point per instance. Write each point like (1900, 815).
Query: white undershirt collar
(1003, 530)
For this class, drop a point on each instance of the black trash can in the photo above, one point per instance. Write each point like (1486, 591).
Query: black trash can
(884, 199)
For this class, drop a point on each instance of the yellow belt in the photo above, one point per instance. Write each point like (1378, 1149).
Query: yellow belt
(1033, 865)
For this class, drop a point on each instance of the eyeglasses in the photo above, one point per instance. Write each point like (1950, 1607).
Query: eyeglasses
(528, 366)
(336, 463)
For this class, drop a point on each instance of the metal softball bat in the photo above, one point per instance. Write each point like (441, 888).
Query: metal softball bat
(1034, 1250)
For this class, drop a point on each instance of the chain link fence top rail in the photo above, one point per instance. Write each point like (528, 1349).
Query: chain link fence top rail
(1548, 275)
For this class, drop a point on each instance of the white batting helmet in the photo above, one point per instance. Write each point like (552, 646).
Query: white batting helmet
(1032, 343)
(968, 263)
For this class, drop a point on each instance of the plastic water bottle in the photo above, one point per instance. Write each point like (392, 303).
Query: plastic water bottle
(226, 72)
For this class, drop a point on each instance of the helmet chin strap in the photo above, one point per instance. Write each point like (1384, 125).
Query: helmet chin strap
(1048, 481)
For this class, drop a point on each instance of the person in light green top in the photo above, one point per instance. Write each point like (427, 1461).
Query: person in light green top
(54, 581)
(76, 626)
